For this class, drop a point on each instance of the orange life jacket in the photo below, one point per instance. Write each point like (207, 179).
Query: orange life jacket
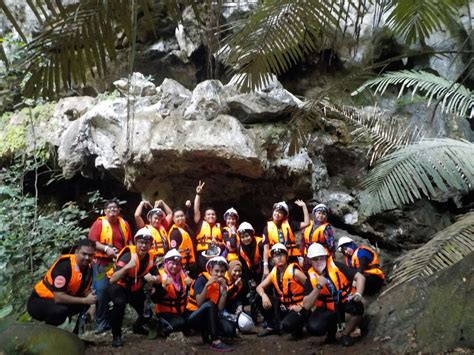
(207, 234)
(256, 258)
(172, 301)
(44, 287)
(133, 279)
(213, 293)
(106, 235)
(316, 237)
(159, 244)
(289, 239)
(232, 289)
(342, 285)
(186, 248)
(231, 234)
(293, 291)
(374, 266)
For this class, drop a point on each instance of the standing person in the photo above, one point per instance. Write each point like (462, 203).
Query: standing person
(250, 252)
(285, 311)
(134, 264)
(280, 230)
(208, 231)
(159, 204)
(229, 234)
(208, 296)
(171, 295)
(65, 289)
(364, 260)
(156, 217)
(111, 234)
(179, 238)
(319, 231)
(329, 289)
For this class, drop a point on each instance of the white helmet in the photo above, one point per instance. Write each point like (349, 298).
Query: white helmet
(153, 211)
(144, 233)
(245, 323)
(281, 206)
(315, 250)
(342, 241)
(320, 207)
(172, 254)
(278, 247)
(231, 211)
(245, 226)
(217, 259)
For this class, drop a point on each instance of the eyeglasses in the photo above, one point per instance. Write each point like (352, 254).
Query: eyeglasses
(112, 208)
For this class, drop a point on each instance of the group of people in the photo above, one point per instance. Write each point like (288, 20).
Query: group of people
(213, 279)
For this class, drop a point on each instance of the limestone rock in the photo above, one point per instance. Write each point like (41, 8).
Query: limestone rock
(137, 86)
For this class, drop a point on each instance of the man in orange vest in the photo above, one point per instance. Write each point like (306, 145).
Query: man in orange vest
(365, 261)
(65, 289)
(111, 233)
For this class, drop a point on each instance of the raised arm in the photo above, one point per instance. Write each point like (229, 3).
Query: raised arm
(138, 213)
(197, 202)
(306, 221)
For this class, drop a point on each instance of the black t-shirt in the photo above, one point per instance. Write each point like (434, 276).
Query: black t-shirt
(125, 259)
(199, 284)
(61, 276)
(348, 272)
(294, 225)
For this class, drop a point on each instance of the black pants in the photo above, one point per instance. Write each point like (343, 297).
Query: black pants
(177, 321)
(46, 310)
(373, 284)
(120, 297)
(206, 320)
(283, 319)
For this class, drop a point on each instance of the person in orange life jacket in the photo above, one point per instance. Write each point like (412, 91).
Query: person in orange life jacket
(133, 265)
(236, 290)
(208, 296)
(171, 294)
(329, 290)
(229, 234)
(65, 289)
(318, 231)
(284, 311)
(156, 218)
(250, 253)
(165, 217)
(365, 261)
(179, 238)
(208, 231)
(281, 230)
(111, 233)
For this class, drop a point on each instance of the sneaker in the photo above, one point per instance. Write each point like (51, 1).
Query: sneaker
(346, 340)
(117, 341)
(139, 329)
(221, 347)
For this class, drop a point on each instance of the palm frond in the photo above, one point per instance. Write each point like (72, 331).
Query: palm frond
(410, 172)
(456, 98)
(278, 34)
(417, 20)
(446, 248)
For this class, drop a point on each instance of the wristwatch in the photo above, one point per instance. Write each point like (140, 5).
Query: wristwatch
(319, 287)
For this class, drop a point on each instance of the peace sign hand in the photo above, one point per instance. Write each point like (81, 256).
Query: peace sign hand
(199, 187)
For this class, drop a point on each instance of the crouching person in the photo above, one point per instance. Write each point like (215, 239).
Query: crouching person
(171, 295)
(329, 291)
(285, 312)
(65, 289)
(208, 296)
(134, 264)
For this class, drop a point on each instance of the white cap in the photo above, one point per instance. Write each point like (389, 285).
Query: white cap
(245, 226)
(229, 212)
(281, 205)
(342, 241)
(315, 250)
(144, 232)
(172, 254)
(216, 259)
(321, 206)
(153, 211)
(278, 246)
(245, 323)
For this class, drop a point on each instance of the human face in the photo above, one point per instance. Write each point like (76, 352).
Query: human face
(143, 246)
(231, 221)
(245, 238)
(278, 216)
(236, 273)
(156, 219)
(279, 259)
(174, 266)
(346, 250)
(112, 211)
(218, 271)
(210, 216)
(319, 263)
(179, 218)
(320, 216)
(84, 256)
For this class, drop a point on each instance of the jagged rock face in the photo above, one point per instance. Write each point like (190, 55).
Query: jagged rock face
(432, 316)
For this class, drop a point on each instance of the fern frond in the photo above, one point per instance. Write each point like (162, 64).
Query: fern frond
(445, 248)
(456, 98)
(410, 172)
